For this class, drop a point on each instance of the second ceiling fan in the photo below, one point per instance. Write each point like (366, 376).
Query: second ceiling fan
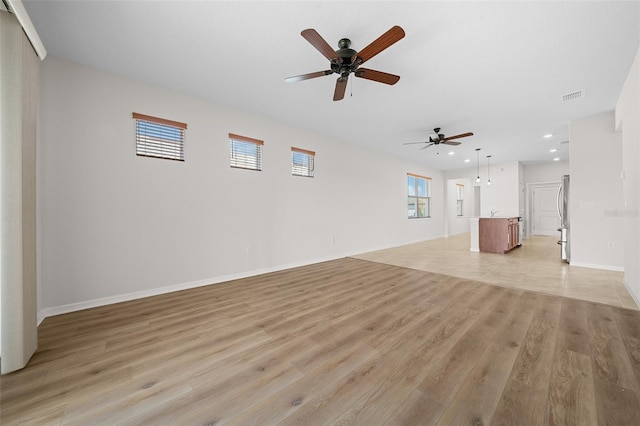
(345, 60)
(438, 138)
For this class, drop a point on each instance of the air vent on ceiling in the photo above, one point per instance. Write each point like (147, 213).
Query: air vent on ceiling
(564, 142)
(573, 95)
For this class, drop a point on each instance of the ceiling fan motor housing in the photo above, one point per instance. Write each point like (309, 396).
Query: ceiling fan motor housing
(347, 55)
(436, 137)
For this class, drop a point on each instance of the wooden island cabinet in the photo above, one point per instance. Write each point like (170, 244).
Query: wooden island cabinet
(498, 234)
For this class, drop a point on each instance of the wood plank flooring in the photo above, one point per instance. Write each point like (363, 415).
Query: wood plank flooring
(341, 342)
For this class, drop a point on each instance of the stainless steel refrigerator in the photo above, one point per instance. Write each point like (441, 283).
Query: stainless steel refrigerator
(563, 212)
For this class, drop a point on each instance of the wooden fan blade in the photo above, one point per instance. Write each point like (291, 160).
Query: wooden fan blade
(379, 76)
(462, 135)
(426, 146)
(341, 87)
(307, 76)
(446, 142)
(319, 43)
(413, 143)
(378, 45)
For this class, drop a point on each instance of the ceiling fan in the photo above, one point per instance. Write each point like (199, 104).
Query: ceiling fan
(345, 60)
(438, 138)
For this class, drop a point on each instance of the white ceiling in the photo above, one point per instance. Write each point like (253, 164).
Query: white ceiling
(498, 69)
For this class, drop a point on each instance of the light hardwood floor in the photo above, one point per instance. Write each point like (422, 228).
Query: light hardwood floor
(342, 342)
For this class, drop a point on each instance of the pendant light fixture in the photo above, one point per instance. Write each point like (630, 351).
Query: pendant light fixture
(478, 180)
(488, 175)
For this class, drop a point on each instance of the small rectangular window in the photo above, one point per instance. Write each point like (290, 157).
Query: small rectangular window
(302, 162)
(159, 138)
(418, 196)
(459, 198)
(244, 152)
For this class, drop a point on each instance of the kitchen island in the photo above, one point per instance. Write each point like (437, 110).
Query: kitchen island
(495, 234)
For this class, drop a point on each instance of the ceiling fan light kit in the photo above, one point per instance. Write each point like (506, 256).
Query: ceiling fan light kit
(346, 61)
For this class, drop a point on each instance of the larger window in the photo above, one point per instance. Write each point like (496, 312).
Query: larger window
(244, 152)
(419, 196)
(159, 138)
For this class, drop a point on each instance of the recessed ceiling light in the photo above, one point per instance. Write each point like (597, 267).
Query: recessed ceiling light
(467, 160)
(548, 135)
(553, 150)
(556, 159)
(451, 152)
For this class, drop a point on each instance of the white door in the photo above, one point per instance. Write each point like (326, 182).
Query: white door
(545, 210)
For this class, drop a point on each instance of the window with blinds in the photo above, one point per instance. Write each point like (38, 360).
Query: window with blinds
(419, 196)
(302, 162)
(159, 138)
(244, 152)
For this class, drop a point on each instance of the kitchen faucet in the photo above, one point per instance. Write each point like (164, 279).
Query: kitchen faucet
(493, 212)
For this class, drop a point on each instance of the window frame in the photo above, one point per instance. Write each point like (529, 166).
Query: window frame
(459, 199)
(163, 146)
(426, 199)
(310, 167)
(259, 144)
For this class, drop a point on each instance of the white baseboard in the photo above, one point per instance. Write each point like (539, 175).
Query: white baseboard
(635, 297)
(595, 266)
(456, 233)
(94, 303)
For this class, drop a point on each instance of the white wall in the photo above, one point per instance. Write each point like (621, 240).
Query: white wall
(627, 120)
(596, 231)
(504, 193)
(458, 224)
(545, 172)
(114, 225)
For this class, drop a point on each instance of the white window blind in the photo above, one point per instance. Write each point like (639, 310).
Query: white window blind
(302, 162)
(244, 152)
(159, 138)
